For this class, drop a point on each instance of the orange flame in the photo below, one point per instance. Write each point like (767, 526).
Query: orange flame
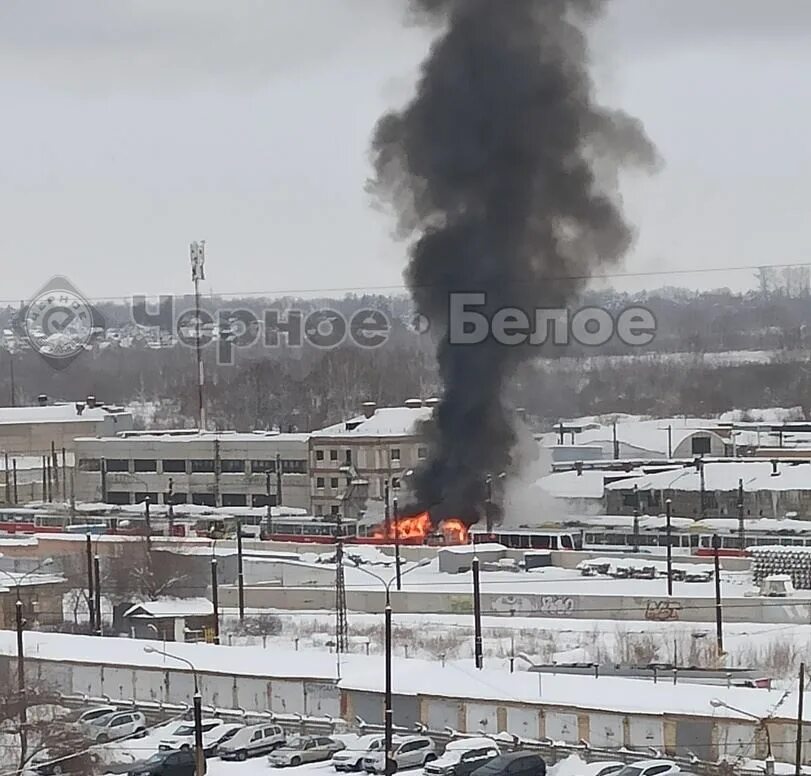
(417, 528)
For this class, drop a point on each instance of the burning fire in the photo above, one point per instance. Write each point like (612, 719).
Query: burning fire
(417, 528)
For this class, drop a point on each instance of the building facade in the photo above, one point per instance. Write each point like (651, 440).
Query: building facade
(353, 462)
(224, 469)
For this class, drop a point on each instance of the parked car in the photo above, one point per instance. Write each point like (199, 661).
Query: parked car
(601, 769)
(89, 715)
(219, 736)
(520, 763)
(305, 749)
(122, 724)
(410, 752)
(54, 763)
(251, 741)
(351, 758)
(650, 768)
(166, 763)
(462, 757)
(183, 735)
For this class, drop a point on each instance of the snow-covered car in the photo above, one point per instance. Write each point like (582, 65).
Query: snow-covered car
(410, 752)
(351, 758)
(122, 724)
(91, 715)
(183, 735)
(463, 756)
(650, 768)
(54, 763)
(305, 749)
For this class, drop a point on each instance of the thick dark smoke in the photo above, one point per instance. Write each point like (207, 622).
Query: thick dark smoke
(502, 169)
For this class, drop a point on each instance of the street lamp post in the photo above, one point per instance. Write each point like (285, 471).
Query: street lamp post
(199, 754)
(717, 703)
(20, 624)
(388, 713)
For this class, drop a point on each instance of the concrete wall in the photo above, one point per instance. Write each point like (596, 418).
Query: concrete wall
(650, 608)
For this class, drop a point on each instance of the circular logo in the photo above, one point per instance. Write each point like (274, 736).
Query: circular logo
(420, 324)
(59, 323)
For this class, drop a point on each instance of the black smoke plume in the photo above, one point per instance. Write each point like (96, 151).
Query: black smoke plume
(502, 170)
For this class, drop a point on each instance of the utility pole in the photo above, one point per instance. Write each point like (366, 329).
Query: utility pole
(170, 512)
(388, 713)
(396, 515)
(103, 472)
(240, 573)
(197, 252)
(386, 511)
(8, 478)
(489, 503)
(64, 475)
(702, 503)
(636, 519)
(741, 525)
(477, 616)
(23, 700)
(669, 549)
(97, 591)
(341, 624)
(798, 757)
(616, 443)
(91, 596)
(719, 625)
(670, 441)
(55, 470)
(199, 751)
(215, 599)
(269, 517)
(11, 377)
(278, 479)
(148, 530)
(14, 479)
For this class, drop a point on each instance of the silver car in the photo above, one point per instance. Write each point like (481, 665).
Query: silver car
(305, 749)
(411, 752)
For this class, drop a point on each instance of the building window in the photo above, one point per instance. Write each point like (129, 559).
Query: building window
(117, 465)
(631, 499)
(203, 499)
(117, 497)
(261, 500)
(202, 465)
(263, 466)
(333, 482)
(145, 465)
(319, 482)
(422, 452)
(335, 509)
(234, 500)
(319, 455)
(395, 483)
(232, 466)
(701, 445)
(89, 464)
(174, 465)
(333, 455)
(348, 457)
(319, 510)
(294, 466)
(143, 494)
(395, 453)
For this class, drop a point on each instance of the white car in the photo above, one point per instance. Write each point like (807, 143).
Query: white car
(606, 768)
(112, 727)
(94, 714)
(183, 735)
(650, 768)
(463, 756)
(411, 752)
(351, 759)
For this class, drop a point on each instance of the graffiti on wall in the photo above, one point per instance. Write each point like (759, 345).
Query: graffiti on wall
(662, 610)
(546, 606)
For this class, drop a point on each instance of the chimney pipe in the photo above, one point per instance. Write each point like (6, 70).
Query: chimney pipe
(369, 408)
(79, 408)
(432, 402)
(42, 400)
(413, 404)
(91, 402)
(578, 466)
(775, 472)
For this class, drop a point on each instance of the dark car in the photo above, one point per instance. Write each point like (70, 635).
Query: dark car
(514, 764)
(168, 763)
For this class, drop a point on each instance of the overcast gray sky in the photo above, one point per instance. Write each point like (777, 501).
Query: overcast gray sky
(132, 127)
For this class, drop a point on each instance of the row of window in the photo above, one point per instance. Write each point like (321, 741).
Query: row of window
(194, 465)
(394, 455)
(201, 499)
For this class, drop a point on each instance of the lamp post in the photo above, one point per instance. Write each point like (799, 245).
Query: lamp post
(158, 635)
(717, 703)
(20, 623)
(396, 517)
(199, 754)
(388, 714)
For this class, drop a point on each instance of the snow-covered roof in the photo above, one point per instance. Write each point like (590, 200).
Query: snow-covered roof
(55, 413)
(146, 437)
(648, 435)
(173, 607)
(724, 476)
(569, 484)
(10, 579)
(454, 679)
(386, 421)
